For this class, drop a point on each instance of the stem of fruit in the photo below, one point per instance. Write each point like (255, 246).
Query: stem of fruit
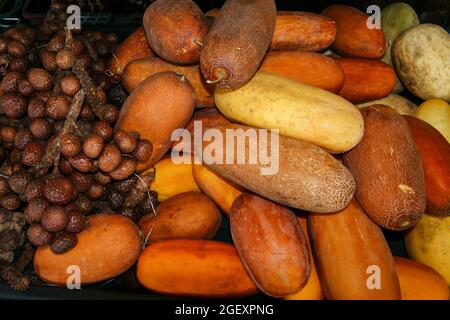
(53, 153)
(197, 42)
(88, 86)
(221, 76)
(69, 37)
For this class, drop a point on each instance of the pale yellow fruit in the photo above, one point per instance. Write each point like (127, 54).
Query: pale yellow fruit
(222, 191)
(421, 56)
(396, 102)
(396, 18)
(429, 243)
(172, 179)
(437, 113)
(313, 289)
(298, 110)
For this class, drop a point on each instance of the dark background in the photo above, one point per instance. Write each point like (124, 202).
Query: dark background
(124, 16)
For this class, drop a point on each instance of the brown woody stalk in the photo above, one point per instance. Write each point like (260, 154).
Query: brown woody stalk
(53, 153)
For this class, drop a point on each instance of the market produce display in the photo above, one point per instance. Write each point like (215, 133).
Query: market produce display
(117, 158)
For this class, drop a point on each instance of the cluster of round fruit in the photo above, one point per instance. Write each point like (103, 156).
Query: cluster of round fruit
(56, 162)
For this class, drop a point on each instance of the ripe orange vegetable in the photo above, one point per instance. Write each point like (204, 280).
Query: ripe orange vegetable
(221, 190)
(213, 12)
(137, 71)
(188, 215)
(307, 67)
(354, 39)
(208, 118)
(435, 154)
(353, 259)
(211, 16)
(196, 268)
(109, 246)
(172, 177)
(132, 48)
(271, 244)
(313, 289)
(305, 31)
(175, 30)
(419, 281)
(155, 114)
(366, 79)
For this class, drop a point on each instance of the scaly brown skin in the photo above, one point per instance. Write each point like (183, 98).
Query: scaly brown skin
(435, 153)
(132, 48)
(237, 41)
(308, 178)
(366, 79)
(305, 31)
(175, 30)
(271, 244)
(354, 39)
(388, 170)
(420, 56)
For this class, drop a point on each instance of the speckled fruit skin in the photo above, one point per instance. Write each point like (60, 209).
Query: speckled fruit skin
(388, 170)
(308, 177)
(345, 244)
(428, 242)
(175, 30)
(271, 244)
(237, 41)
(421, 56)
(296, 109)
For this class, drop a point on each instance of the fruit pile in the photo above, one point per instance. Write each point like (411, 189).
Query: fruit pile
(58, 148)
(353, 158)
